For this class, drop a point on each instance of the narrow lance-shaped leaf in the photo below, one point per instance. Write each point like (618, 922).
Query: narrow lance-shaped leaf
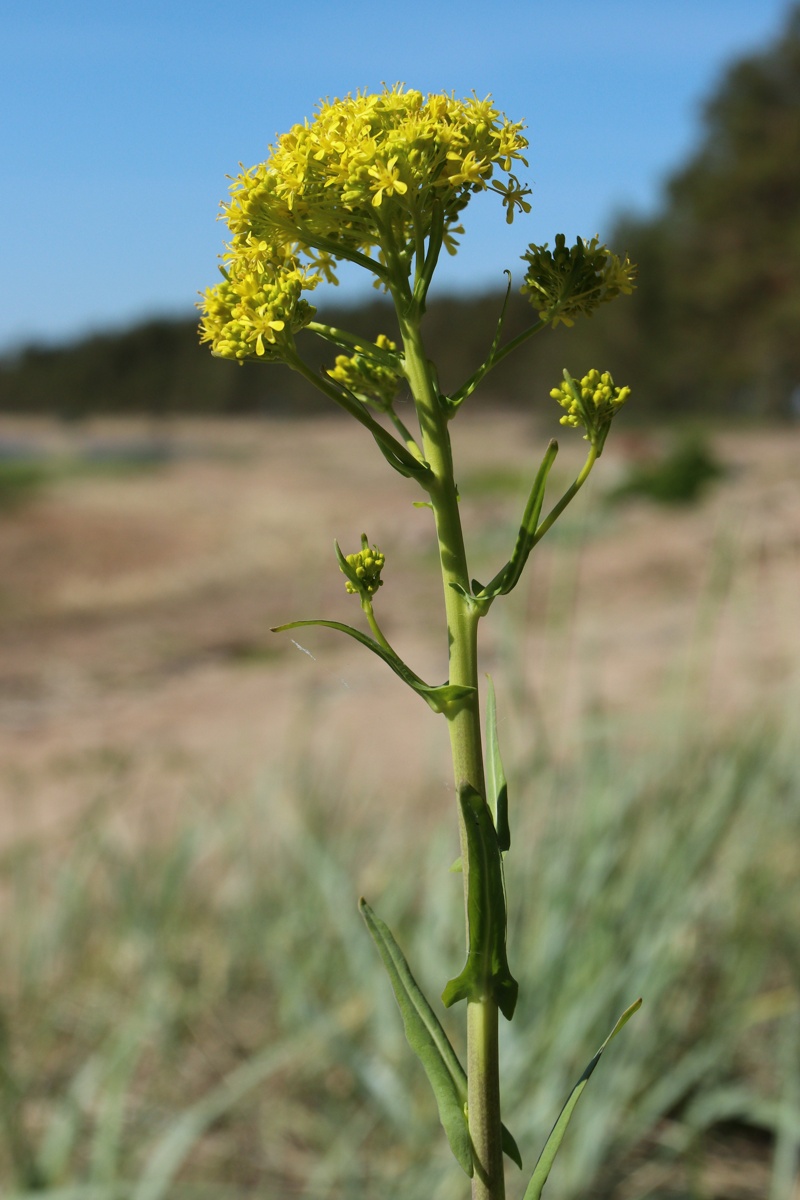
(432, 1046)
(466, 389)
(439, 697)
(496, 785)
(486, 969)
(509, 576)
(427, 1039)
(545, 1162)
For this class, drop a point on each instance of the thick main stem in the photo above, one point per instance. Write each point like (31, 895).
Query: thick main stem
(465, 739)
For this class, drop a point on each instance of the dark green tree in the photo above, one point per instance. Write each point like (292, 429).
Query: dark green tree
(717, 316)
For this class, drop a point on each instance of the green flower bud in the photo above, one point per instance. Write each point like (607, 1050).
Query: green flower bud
(369, 380)
(363, 570)
(590, 403)
(566, 283)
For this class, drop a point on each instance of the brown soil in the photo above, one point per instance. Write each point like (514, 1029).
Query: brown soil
(136, 658)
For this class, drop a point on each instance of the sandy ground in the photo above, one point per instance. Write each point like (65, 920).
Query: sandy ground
(136, 658)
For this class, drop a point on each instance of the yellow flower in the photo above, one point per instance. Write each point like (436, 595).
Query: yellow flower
(513, 194)
(388, 180)
(378, 179)
(255, 311)
(398, 150)
(471, 169)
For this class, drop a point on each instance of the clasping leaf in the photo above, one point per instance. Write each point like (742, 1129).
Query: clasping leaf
(496, 785)
(486, 971)
(430, 1043)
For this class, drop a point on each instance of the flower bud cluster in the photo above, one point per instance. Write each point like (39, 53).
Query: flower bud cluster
(257, 308)
(590, 403)
(366, 567)
(368, 379)
(568, 282)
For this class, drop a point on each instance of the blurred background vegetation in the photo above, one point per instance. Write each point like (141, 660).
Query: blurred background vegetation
(712, 327)
(188, 1004)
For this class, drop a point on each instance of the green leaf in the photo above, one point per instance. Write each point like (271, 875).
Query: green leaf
(427, 1039)
(439, 697)
(510, 1147)
(486, 969)
(402, 466)
(545, 1162)
(496, 785)
(344, 566)
(430, 1043)
(509, 576)
(466, 389)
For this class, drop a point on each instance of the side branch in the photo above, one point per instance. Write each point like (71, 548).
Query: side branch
(396, 454)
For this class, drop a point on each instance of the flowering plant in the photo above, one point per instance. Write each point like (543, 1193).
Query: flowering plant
(381, 181)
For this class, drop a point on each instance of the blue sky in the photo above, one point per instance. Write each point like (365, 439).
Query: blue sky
(121, 121)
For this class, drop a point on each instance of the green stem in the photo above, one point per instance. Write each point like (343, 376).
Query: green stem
(400, 456)
(465, 735)
(377, 632)
(406, 435)
(423, 278)
(569, 494)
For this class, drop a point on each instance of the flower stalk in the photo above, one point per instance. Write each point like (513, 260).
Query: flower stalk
(382, 181)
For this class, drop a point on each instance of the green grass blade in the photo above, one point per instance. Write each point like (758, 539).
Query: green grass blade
(21, 1151)
(186, 1130)
(122, 1058)
(545, 1161)
(496, 784)
(427, 1039)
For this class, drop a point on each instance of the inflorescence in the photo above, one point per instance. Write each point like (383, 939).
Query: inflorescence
(364, 569)
(591, 403)
(370, 179)
(369, 380)
(568, 282)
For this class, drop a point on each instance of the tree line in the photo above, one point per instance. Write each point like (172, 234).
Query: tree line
(714, 325)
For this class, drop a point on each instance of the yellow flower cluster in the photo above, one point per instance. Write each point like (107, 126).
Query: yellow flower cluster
(367, 170)
(365, 568)
(369, 380)
(371, 178)
(257, 309)
(590, 403)
(568, 282)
